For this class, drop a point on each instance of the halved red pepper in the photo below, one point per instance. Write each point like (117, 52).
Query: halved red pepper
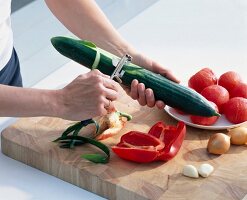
(161, 143)
(172, 136)
(139, 147)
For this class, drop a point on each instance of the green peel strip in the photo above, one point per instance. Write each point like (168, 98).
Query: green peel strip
(97, 59)
(96, 158)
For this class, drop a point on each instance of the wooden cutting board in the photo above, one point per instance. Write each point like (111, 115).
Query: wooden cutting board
(29, 141)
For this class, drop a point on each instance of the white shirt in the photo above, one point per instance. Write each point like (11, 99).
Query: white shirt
(6, 35)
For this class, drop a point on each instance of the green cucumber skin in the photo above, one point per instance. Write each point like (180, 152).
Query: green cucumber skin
(173, 94)
(74, 50)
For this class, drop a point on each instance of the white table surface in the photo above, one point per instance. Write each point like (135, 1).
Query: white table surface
(184, 36)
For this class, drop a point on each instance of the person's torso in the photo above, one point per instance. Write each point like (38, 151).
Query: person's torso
(6, 35)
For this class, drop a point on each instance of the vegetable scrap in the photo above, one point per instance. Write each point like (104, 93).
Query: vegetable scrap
(106, 126)
(111, 124)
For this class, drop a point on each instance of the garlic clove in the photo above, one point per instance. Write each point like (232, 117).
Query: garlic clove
(190, 171)
(205, 170)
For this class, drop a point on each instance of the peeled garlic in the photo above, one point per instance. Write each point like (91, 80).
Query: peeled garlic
(190, 171)
(205, 170)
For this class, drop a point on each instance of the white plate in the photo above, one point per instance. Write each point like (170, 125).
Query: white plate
(221, 124)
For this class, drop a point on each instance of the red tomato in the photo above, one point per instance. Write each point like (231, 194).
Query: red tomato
(217, 94)
(206, 121)
(229, 80)
(235, 110)
(239, 91)
(205, 77)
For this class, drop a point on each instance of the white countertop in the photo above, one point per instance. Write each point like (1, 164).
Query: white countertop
(184, 36)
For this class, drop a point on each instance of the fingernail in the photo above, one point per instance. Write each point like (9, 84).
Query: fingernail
(148, 93)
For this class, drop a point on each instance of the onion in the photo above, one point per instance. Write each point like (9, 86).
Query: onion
(218, 143)
(238, 135)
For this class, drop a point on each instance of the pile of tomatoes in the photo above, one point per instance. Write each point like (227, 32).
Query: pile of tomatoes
(228, 94)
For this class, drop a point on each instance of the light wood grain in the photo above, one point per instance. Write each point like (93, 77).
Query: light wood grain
(29, 141)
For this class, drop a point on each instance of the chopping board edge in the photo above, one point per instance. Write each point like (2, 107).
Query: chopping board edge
(22, 154)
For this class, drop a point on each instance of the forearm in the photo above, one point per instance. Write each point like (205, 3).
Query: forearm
(86, 20)
(24, 102)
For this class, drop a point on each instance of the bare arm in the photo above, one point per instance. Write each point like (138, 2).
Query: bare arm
(24, 102)
(86, 20)
(87, 96)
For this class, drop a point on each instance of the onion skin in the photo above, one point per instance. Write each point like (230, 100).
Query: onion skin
(238, 135)
(218, 143)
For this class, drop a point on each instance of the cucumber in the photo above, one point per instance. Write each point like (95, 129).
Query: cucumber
(173, 94)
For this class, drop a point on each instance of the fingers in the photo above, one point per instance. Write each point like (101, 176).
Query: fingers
(108, 105)
(111, 84)
(160, 104)
(97, 72)
(110, 94)
(110, 91)
(104, 86)
(110, 88)
(105, 106)
(134, 90)
(159, 69)
(141, 94)
(105, 79)
(150, 97)
(170, 76)
(137, 91)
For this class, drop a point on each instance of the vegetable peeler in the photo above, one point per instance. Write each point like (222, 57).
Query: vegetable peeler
(117, 74)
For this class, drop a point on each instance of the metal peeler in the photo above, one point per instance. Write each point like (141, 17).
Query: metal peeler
(117, 74)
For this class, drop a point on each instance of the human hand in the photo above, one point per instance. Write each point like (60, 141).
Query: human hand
(87, 96)
(145, 96)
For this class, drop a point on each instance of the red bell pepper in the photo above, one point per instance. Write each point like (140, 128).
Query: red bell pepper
(172, 136)
(161, 143)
